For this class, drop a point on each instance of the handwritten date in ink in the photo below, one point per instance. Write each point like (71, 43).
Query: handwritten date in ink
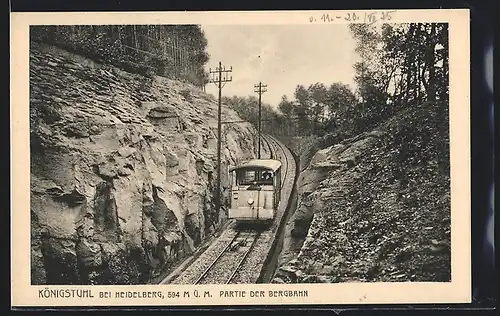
(365, 17)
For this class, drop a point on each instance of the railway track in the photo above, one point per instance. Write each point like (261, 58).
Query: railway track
(238, 255)
(269, 147)
(255, 262)
(280, 153)
(225, 266)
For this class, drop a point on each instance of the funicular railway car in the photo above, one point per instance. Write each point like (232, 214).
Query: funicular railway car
(255, 190)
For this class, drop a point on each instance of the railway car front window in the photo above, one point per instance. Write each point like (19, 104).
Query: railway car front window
(247, 177)
(267, 177)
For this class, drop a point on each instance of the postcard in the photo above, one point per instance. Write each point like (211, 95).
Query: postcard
(240, 158)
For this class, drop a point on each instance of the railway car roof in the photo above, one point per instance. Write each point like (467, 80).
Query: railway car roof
(259, 163)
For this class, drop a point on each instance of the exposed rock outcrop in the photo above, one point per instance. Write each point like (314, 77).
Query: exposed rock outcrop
(305, 149)
(122, 170)
(379, 205)
(297, 225)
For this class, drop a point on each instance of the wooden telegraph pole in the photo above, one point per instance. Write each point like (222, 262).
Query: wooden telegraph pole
(260, 89)
(219, 76)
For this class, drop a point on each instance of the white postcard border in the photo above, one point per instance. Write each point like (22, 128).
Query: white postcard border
(456, 291)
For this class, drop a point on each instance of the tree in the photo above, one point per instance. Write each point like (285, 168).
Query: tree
(340, 100)
(287, 107)
(173, 51)
(318, 96)
(303, 109)
(401, 65)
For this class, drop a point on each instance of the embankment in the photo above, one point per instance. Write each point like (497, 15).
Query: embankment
(379, 204)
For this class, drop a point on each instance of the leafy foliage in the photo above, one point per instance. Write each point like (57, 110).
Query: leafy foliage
(248, 109)
(172, 51)
(401, 65)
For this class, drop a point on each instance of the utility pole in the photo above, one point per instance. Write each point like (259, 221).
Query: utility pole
(260, 89)
(218, 79)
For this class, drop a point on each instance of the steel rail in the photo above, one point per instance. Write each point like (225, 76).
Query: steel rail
(240, 263)
(217, 259)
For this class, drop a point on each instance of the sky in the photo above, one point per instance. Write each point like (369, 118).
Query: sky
(281, 56)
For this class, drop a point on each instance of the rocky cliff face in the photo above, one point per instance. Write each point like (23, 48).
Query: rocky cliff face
(305, 149)
(122, 170)
(298, 222)
(379, 205)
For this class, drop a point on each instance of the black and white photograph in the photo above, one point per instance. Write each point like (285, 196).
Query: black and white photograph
(191, 154)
